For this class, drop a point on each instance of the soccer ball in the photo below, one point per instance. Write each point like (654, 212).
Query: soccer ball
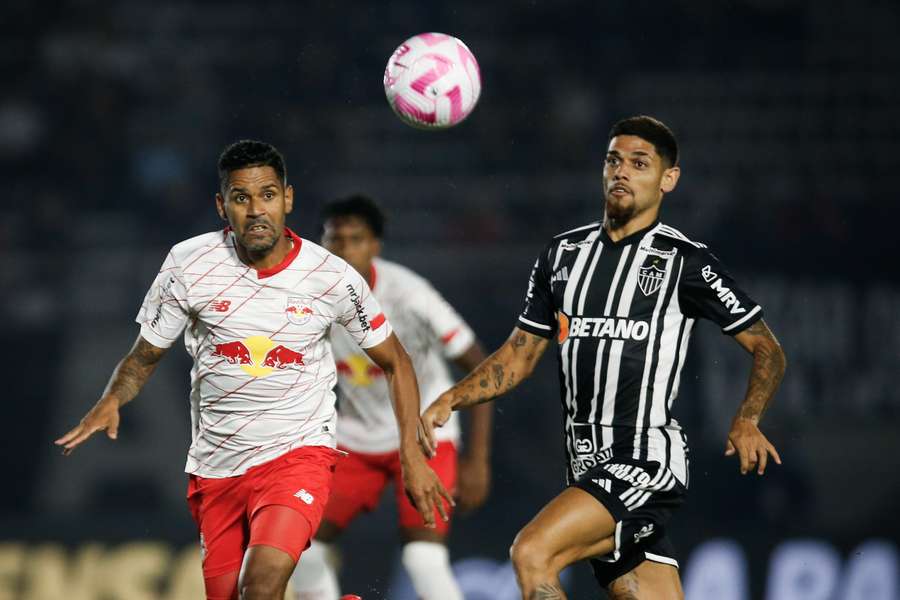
(432, 81)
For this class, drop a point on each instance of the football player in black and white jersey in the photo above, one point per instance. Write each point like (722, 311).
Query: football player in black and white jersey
(621, 297)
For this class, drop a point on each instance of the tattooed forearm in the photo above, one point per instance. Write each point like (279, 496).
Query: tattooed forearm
(497, 371)
(547, 591)
(766, 373)
(501, 371)
(133, 371)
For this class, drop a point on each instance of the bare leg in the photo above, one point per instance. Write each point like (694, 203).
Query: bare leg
(572, 527)
(266, 574)
(648, 581)
(267, 567)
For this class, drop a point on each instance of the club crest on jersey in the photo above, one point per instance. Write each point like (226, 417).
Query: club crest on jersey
(650, 279)
(297, 313)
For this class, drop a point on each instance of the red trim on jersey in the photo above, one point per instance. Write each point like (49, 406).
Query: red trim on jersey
(373, 277)
(284, 264)
(446, 339)
(378, 321)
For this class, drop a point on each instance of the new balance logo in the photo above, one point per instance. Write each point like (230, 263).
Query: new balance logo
(304, 496)
(220, 305)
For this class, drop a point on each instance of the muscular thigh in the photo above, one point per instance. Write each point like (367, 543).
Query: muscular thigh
(572, 527)
(648, 581)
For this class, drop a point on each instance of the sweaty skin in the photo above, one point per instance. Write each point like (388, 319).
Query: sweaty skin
(255, 201)
(635, 179)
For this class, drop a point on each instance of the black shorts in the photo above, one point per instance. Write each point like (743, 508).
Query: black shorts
(641, 497)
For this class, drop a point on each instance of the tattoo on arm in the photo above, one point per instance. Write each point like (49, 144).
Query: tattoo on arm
(498, 376)
(501, 371)
(547, 591)
(766, 373)
(133, 371)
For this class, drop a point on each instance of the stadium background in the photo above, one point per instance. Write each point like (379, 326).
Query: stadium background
(788, 113)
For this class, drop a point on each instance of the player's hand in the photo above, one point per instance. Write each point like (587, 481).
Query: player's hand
(752, 447)
(474, 483)
(424, 488)
(104, 416)
(434, 416)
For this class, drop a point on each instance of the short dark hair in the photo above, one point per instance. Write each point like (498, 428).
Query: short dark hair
(654, 131)
(250, 153)
(359, 206)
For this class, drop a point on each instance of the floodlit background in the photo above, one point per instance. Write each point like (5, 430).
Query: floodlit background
(112, 115)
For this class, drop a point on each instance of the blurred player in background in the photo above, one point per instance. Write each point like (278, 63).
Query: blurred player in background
(432, 332)
(621, 298)
(256, 304)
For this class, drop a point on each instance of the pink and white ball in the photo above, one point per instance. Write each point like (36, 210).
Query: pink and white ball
(432, 81)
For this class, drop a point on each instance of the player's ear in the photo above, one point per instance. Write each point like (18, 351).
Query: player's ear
(288, 199)
(220, 206)
(670, 179)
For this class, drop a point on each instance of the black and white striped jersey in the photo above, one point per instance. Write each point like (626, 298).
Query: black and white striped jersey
(622, 313)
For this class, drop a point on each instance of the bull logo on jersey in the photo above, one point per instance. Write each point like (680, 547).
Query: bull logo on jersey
(297, 313)
(359, 369)
(650, 279)
(258, 356)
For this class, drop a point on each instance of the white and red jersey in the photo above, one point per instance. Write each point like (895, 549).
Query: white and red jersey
(263, 376)
(429, 329)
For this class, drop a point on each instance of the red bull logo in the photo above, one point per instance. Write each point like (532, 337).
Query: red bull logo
(236, 353)
(258, 355)
(359, 369)
(296, 312)
(280, 357)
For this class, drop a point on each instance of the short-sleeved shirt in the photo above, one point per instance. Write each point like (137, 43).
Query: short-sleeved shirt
(430, 330)
(622, 313)
(263, 375)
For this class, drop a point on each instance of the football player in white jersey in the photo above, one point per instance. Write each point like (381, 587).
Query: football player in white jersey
(433, 333)
(256, 303)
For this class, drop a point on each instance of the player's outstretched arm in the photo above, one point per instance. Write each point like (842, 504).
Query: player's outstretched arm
(745, 438)
(127, 379)
(474, 478)
(422, 484)
(500, 372)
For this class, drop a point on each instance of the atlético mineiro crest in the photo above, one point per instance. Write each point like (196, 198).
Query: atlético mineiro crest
(297, 312)
(650, 279)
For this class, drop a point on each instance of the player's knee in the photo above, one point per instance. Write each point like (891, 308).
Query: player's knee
(262, 590)
(528, 554)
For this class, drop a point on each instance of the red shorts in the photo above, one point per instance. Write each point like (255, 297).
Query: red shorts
(224, 508)
(360, 479)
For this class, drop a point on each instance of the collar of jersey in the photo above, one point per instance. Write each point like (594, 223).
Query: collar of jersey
(628, 239)
(288, 259)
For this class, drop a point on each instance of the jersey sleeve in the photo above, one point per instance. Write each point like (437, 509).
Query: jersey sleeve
(446, 324)
(359, 312)
(707, 290)
(165, 313)
(539, 314)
